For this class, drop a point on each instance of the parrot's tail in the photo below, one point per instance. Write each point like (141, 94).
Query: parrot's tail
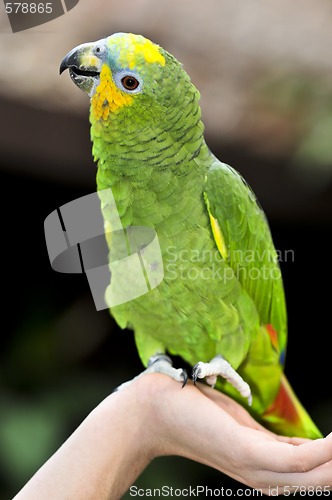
(287, 416)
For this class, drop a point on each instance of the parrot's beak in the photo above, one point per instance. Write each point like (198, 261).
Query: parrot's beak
(84, 63)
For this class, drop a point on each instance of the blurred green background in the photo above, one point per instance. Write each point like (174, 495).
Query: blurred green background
(265, 74)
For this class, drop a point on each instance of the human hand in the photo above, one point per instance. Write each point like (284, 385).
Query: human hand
(153, 416)
(207, 426)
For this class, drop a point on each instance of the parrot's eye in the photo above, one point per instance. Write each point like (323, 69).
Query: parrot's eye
(99, 50)
(130, 82)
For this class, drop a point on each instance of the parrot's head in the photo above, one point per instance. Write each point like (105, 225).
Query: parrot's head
(128, 73)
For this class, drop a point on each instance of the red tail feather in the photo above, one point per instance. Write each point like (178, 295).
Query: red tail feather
(287, 416)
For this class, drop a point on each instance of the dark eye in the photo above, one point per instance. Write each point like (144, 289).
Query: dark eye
(99, 50)
(130, 82)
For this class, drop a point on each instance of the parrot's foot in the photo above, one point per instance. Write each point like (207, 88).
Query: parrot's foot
(160, 363)
(218, 366)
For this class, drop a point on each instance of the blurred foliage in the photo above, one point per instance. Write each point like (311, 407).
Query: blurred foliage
(46, 389)
(302, 111)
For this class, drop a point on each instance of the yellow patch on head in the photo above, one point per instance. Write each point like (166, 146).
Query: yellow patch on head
(137, 47)
(107, 97)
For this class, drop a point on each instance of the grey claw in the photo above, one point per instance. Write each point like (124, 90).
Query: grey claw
(185, 378)
(195, 373)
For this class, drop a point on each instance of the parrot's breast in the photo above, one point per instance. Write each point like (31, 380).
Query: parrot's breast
(199, 308)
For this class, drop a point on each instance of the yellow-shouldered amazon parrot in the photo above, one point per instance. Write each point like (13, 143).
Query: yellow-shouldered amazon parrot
(221, 304)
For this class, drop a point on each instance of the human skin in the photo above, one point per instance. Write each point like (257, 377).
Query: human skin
(153, 417)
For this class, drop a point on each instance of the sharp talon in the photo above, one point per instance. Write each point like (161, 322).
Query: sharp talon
(185, 378)
(195, 373)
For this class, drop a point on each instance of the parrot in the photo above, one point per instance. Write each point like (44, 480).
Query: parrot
(221, 303)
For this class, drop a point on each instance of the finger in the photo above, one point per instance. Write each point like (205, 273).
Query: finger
(284, 457)
(292, 440)
(315, 481)
(319, 477)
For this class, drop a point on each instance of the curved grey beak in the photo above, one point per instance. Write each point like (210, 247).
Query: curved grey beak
(84, 66)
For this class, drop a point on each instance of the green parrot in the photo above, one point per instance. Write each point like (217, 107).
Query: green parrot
(221, 304)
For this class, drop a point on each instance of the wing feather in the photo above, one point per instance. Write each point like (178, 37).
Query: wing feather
(240, 224)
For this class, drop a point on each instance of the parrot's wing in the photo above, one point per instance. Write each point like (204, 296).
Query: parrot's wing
(244, 240)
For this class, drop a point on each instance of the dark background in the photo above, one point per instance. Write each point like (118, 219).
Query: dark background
(60, 357)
